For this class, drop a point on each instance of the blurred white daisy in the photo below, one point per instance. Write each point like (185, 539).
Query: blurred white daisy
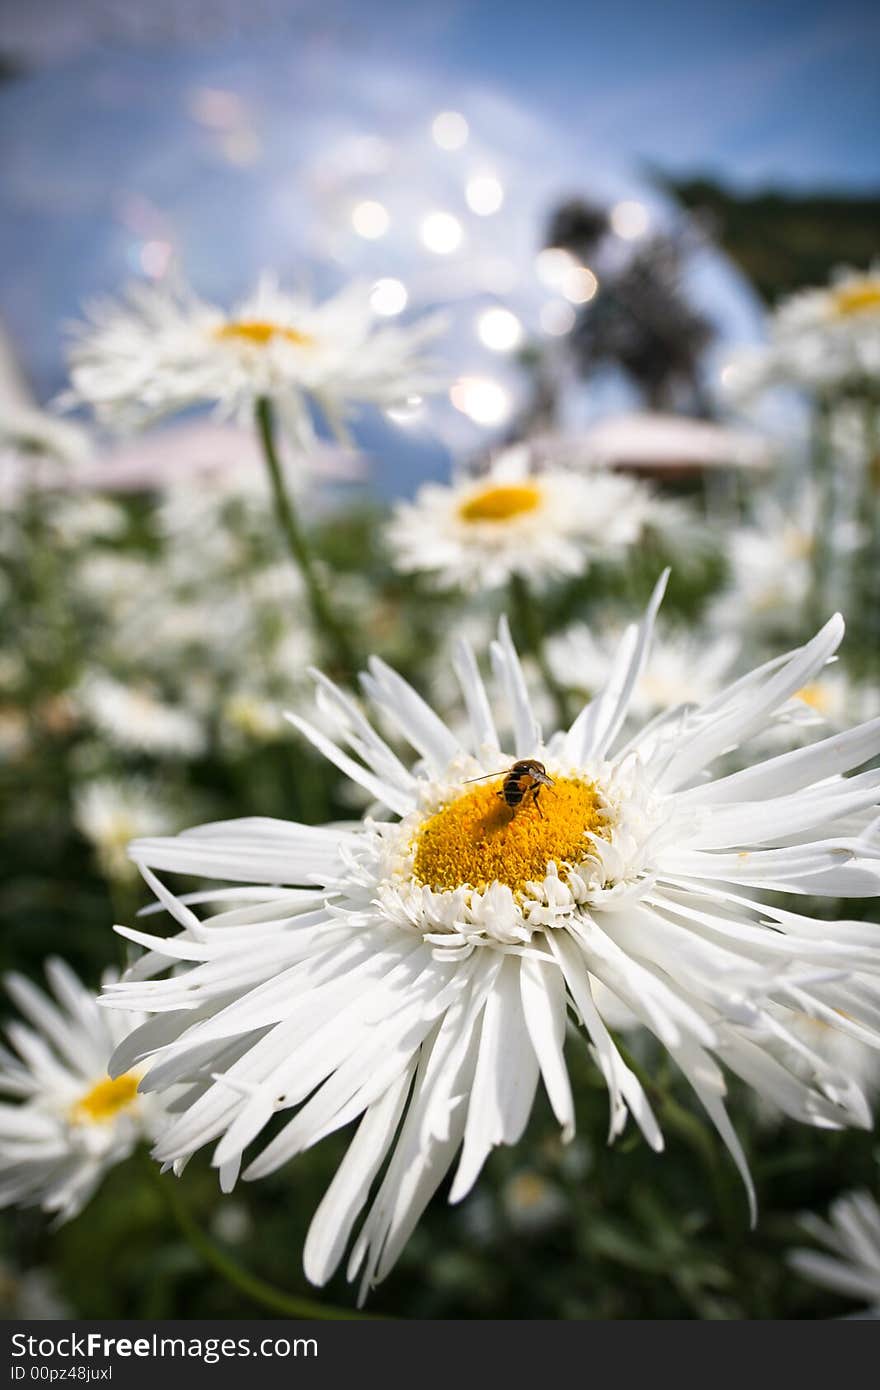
(771, 564)
(29, 432)
(249, 717)
(852, 1236)
(132, 717)
(417, 973)
(682, 668)
(823, 339)
(532, 1204)
(30, 1294)
(162, 350)
(838, 699)
(66, 1122)
(81, 518)
(110, 813)
(476, 533)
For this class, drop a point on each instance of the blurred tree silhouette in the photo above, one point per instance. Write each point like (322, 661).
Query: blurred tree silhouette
(783, 241)
(640, 319)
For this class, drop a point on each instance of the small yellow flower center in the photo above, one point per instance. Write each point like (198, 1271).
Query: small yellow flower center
(106, 1100)
(260, 332)
(478, 840)
(796, 544)
(526, 1191)
(815, 695)
(858, 297)
(501, 503)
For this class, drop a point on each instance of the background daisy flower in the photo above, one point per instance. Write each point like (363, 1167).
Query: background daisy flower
(476, 534)
(67, 1122)
(161, 349)
(851, 1236)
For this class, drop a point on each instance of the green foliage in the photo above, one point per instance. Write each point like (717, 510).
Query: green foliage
(783, 241)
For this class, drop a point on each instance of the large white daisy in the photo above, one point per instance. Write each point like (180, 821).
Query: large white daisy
(416, 973)
(476, 533)
(162, 349)
(67, 1123)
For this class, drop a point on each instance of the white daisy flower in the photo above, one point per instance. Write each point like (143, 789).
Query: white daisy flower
(79, 519)
(823, 339)
(30, 1295)
(131, 717)
(838, 699)
(162, 350)
(417, 973)
(249, 717)
(771, 565)
(67, 1123)
(475, 534)
(28, 432)
(682, 668)
(852, 1235)
(110, 813)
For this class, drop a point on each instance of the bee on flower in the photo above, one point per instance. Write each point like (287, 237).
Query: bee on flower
(416, 974)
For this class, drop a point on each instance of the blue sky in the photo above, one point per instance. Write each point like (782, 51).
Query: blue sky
(778, 92)
(100, 151)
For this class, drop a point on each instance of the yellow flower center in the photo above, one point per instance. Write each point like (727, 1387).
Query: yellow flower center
(105, 1100)
(858, 297)
(815, 695)
(260, 332)
(796, 544)
(502, 502)
(526, 1191)
(478, 840)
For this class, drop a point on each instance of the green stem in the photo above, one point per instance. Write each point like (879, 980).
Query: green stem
(254, 1288)
(326, 622)
(865, 596)
(528, 621)
(823, 527)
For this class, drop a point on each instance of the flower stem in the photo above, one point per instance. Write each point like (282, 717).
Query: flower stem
(865, 597)
(528, 621)
(824, 519)
(224, 1264)
(330, 628)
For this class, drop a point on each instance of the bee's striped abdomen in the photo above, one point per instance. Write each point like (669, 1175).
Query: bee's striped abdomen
(514, 789)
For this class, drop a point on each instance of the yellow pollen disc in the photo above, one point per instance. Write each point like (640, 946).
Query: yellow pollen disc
(860, 297)
(260, 332)
(815, 695)
(106, 1099)
(501, 503)
(478, 840)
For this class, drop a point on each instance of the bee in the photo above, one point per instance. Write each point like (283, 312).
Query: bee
(525, 778)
